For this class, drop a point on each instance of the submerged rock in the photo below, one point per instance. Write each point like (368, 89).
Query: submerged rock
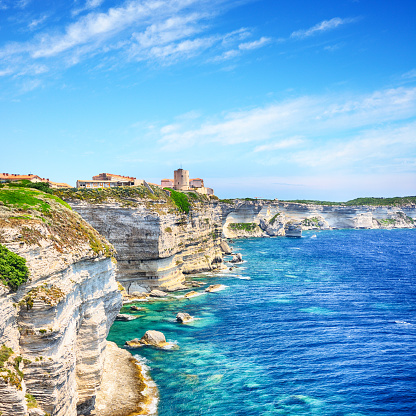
(184, 317)
(125, 317)
(134, 343)
(196, 284)
(158, 293)
(137, 308)
(214, 288)
(191, 294)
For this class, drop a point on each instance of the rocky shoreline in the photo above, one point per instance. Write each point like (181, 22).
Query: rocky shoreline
(126, 387)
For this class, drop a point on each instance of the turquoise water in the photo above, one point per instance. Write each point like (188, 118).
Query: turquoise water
(310, 326)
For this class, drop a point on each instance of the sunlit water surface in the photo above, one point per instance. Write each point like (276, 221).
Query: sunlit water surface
(310, 326)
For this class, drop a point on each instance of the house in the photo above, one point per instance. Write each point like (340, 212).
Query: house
(108, 180)
(181, 182)
(13, 177)
(166, 183)
(196, 183)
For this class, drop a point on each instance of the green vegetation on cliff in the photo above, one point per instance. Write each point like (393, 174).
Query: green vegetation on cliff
(154, 198)
(181, 200)
(5, 354)
(243, 226)
(396, 201)
(125, 195)
(41, 186)
(13, 269)
(39, 216)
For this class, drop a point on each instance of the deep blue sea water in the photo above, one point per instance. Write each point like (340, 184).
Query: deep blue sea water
(310, 326)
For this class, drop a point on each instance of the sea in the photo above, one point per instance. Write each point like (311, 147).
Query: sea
(319, 325)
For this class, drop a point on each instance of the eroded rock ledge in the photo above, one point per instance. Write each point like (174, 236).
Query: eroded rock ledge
(126, 389)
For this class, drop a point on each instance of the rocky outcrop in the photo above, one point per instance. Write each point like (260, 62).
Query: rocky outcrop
(156, 243)
(237, 258)
(56, 324)
(126, 388)
(293, 230)
(273, 227)
(241, 217)
(225, 247)
(191, 294)
(124, 317)
(184, 317)
(152, 338)
(214, 288)
(157, 293)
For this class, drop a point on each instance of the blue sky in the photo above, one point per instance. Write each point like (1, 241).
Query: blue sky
(261, 98)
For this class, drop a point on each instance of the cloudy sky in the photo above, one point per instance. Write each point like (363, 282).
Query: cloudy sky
(262, 98)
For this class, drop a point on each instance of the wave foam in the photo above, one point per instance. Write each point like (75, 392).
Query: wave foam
(150, 392)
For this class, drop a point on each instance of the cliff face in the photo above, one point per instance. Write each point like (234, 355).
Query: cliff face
(156, 246)
(55, 325)
(276, 218)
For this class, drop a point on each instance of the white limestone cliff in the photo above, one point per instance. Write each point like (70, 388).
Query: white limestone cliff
(156, 246)
(56, 324)
(272, 217)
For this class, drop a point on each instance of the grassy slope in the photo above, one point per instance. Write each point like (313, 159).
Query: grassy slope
(26, 209)
(137, 195)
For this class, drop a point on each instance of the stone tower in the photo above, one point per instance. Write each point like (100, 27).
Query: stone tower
(181, 180)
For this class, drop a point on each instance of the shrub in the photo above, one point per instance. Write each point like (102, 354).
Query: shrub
(244, 226)
(13, 269)
(41, 186)
(5, 353)
(31, 401)
(180, 200)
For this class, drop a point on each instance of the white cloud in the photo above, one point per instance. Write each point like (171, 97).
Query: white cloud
(282, 144)
(323, 26)
(255, 44)
(185, 48)
(162, 31)
(366, 147)
(304, 116)
(170, 30)
(36, 22)
(92, 4)
(89, 5)
(410, 74)
(232, 53)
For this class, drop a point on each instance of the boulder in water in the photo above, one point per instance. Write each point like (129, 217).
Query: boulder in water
(125, 317)
(134, 343)
(183, 317)
(155, 338)
(191, 294)
(214, 288)
(157, 293)
(237, 258)
(137, 308)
